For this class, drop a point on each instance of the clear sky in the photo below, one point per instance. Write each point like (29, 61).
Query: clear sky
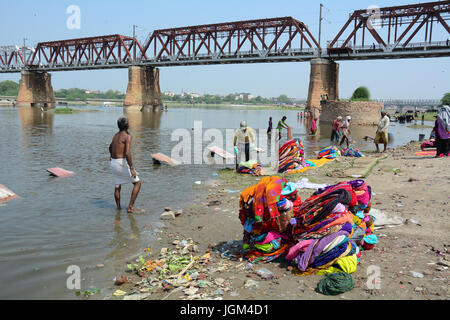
(46, 20)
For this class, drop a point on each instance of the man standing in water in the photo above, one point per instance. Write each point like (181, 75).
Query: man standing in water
(282, 125)
(382, 131)
(122, 165)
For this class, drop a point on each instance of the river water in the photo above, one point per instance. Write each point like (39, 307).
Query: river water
(60, 222)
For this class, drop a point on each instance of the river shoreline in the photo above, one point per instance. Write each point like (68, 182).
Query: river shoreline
(406, 186)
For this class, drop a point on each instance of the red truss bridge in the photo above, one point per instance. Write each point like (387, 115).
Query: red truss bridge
(409, 31)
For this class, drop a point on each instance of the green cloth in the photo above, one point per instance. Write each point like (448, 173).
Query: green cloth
(335, 283)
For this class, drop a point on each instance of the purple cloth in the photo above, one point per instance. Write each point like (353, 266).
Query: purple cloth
(443, 134)
(329, 256)
(315, 249)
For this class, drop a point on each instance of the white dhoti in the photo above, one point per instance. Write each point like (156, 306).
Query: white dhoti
(121, 172)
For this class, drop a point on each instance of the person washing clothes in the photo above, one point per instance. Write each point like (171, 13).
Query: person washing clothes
(335, 129)
(314, 126)
(242, 139)
(269, 129)
(382, 131)
(346, 131)
(282, 125)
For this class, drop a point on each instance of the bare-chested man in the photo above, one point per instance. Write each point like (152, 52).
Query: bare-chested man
(122, 165)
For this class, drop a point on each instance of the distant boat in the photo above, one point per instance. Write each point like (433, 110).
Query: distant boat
(107, 104)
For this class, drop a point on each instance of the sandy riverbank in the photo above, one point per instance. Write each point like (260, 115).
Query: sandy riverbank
(405, 186)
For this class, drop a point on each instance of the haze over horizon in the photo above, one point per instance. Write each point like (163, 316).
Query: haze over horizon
(44, 21)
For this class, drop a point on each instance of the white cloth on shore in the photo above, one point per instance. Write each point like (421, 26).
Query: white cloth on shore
(121, 172)
(305, 184)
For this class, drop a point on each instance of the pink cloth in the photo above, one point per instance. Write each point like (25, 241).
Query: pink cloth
(295, 250)
(338, 209)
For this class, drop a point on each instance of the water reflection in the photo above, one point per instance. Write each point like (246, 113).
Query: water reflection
(143, 119)
(35, 121)
(123, 240)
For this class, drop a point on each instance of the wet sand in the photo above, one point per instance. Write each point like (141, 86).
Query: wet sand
(405, 186)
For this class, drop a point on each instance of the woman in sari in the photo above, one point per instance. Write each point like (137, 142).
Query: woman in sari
(442, 130)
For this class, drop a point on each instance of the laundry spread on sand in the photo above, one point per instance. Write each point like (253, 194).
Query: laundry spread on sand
(352, 152)
(305, 184)
(426, 153)
(325, 234)
(250, 167)
(329, 153)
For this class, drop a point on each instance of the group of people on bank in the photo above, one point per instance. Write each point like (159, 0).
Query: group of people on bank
(124, 172)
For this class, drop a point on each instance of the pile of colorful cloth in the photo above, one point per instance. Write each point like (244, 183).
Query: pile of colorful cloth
(291, 157)
(265, 213)
(324, 234)
(352, 152)
(250, 167)
(428, 145)
(329, 153)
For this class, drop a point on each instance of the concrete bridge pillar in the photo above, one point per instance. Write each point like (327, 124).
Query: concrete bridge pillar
(323, 81)
(143, 88)
(36, 89)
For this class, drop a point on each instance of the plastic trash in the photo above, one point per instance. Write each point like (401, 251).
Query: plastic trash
(264, 273)
(416, 274)
(198, 182)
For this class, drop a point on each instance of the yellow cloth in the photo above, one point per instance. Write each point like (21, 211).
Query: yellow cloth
(317, 162)
(347, 264)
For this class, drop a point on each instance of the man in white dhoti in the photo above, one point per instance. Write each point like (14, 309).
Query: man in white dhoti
(122, 164)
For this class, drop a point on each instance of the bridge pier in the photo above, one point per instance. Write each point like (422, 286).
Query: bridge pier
(36, 89)
(143, 89)
(323, 81)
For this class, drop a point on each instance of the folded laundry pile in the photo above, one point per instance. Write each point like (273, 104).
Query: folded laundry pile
(352, 152)
(265, 213)
(291, 156)
(325, 234)
(250, 167)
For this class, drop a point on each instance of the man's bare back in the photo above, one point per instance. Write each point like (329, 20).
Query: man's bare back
(119, 145)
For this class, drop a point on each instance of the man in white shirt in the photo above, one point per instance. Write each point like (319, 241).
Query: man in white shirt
(243, 137)
(382, 131)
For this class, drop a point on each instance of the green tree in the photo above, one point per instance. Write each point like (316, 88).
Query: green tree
(361, 93)
(9, 88)
(446, 99)
(283, 99)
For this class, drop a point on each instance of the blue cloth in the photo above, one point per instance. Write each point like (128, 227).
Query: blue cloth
(371, 239)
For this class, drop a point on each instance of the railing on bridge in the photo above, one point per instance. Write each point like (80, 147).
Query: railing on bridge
(392, 29)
